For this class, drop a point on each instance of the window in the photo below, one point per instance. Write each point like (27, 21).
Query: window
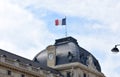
(70, 56)
(84, 75)
(68, 74)
(8, 72)
(22, 75)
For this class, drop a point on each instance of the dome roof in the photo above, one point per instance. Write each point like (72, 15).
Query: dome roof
(68, 51)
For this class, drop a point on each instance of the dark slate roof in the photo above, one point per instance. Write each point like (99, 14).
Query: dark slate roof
(26, 61)
(64, 48)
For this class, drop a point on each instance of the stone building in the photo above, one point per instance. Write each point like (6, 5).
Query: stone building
(63, 59)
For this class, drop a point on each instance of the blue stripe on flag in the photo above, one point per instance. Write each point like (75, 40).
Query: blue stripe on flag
(64, 21)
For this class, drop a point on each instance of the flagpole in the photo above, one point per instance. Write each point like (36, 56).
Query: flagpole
(66, 34)
(66, 31)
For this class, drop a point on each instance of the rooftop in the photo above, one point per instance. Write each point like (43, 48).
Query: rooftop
(65, 48)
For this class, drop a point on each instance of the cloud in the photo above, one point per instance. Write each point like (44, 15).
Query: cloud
(110, 64)
(101, 49)
(25, 34)
(20, 31)
(105, 11)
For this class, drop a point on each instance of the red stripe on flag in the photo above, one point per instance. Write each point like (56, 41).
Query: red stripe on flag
(56, 22)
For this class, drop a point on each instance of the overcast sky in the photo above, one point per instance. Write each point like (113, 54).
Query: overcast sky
(27, 27)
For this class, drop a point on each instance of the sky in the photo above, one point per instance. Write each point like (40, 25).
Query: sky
(27, 27)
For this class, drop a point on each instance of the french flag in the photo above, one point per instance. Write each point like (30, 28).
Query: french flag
(60, 22)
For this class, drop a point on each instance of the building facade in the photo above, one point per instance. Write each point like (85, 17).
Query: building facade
(63, 59)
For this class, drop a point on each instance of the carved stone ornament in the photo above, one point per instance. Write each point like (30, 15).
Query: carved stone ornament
(90, 62)
(50, 47)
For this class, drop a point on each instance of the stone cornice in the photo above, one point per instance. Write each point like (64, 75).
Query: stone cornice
(78, 65)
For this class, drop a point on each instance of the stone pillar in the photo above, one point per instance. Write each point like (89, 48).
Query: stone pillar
(75, 73)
